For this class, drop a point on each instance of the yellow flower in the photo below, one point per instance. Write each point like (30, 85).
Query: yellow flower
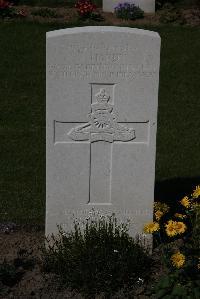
(196, 192)
(174, 228)
(160, 206)
(171, 229)
(151, 227)
(178, 260)
(180, 227)
(158, 214)
(181, 216)
(185, 202)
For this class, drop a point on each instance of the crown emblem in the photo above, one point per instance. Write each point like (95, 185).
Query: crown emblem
(102, 125)
(102, 96)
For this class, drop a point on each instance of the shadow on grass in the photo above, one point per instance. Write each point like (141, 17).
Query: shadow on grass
(171, 191)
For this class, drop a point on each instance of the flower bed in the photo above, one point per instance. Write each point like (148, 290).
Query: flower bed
(178, 235)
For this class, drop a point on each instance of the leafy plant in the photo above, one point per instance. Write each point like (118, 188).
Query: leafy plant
(8, 11)
(161, 3)
(174, 285)
(179, 236)
(170, 15)
(128, 11)
(87, 10)
(97, 256)
(45, 13)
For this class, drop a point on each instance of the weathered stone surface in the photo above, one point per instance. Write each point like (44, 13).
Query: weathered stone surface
(102, 92)
(147, 6)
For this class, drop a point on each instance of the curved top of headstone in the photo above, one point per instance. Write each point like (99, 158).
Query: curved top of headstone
(101, 29)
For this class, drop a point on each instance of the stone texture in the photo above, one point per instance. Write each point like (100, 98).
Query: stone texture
(102, 93)
(148, 6)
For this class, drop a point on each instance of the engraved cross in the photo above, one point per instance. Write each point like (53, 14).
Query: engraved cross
(101, 132)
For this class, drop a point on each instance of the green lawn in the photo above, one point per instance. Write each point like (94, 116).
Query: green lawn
(22, 106)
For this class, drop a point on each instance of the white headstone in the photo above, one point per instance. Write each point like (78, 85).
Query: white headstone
(102, 93)
(148, 6)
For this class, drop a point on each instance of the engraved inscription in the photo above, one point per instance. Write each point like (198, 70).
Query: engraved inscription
(75, 49)
(102, 125)
(100, 60)
(99, 70)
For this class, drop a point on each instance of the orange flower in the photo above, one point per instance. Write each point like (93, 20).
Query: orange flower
(196, 192)
(170, 228)
(185, 202)
(151, 227)
(178, 260)
(158, 214)
(180, 227)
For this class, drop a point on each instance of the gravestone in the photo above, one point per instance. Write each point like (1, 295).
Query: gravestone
(148, 6)
(102, 92)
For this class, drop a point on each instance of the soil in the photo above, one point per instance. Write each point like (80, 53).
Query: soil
(21, 248)
(191, 16)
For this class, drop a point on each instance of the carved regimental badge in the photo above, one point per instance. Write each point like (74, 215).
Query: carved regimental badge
(102, 125)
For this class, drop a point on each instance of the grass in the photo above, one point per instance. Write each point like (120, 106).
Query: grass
(22, 105)
(178, 144)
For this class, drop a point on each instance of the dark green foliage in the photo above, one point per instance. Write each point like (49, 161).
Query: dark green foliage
(45, 13)
(97, 257)
(175, 286)
(93, 17)
(161, 3)
(195, 236)
(191, 244)
(170, 15)
(96, 16)
(7, 11)
(9, 275)
(183, 282)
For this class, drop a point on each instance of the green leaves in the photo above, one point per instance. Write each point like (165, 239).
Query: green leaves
(173, 286)
(179, 290)
(97, 256)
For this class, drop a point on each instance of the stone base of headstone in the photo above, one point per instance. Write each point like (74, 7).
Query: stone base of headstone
(148, 6)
